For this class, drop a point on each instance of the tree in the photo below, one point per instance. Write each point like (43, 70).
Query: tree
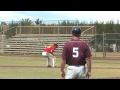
(3, 23)
(26, 22)
(12, 29)
(38, 22)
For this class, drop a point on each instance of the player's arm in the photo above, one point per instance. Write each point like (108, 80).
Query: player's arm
(63, 63)
(52, 50)
(88, 62)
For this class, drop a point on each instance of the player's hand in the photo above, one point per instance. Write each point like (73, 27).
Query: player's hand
(63, 75)
(88, 75)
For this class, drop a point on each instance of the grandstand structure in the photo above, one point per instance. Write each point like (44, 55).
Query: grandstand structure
(21, 38)
(38, 37)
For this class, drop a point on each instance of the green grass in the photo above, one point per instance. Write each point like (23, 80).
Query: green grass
(108, 54)
(100, 68)
(106, 69)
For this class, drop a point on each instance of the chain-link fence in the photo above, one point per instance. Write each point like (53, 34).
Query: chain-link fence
(106, 45)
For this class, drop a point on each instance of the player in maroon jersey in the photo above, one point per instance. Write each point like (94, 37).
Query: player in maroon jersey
(76, 54)
(48, 52)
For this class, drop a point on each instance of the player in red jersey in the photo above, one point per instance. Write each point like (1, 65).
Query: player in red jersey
(76, 54)
(48, 52)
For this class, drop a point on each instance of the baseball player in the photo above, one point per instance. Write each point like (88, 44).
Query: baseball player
(76, 54)
(48, 52)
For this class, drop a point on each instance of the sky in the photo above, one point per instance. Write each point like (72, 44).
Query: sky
(87, 16)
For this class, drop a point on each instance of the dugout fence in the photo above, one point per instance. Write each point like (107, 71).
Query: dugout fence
(106, 45)
(111, 44)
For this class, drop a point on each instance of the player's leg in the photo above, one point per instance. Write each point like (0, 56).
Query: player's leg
(48, 61)
(53, 61)
(53, 58)
(45, 54)
(71, 73)
(81, 72)
(49, 58)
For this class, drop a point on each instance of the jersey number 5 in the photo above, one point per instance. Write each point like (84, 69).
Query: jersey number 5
(75, 52)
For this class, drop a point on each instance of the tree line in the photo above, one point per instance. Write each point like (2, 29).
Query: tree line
(108, 27)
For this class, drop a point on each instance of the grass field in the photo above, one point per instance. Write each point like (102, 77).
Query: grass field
(17, 67)
(108, 54)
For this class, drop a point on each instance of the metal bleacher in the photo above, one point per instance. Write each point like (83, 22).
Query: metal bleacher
(35, 43)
